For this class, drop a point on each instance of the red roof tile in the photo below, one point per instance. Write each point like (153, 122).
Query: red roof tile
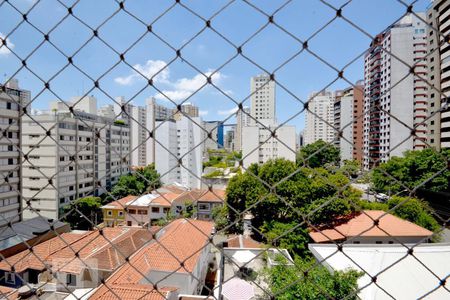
(121, 203)
(241, 241)
(362, 225)
(181, 241)
(94, 249)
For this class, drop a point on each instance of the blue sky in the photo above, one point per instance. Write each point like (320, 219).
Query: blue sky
(339, 43)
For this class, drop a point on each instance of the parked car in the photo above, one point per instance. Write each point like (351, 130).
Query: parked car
(382, 197)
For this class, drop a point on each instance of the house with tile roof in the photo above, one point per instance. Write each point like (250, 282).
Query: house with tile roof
(149, 208)
(371, 227)
(114, 212)
(177, 260)
(206, 200)
(73, 260)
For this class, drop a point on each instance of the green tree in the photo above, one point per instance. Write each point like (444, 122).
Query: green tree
(220, 216)
(414, 210)
(241, 188)
(128, 185)
(318, 154)
(415, 168)
(288, 236)
(351, 168)
(149, 177)
(289, 282)
(84, 213)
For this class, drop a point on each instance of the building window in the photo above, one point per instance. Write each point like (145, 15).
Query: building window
(203, 207)
(109, 213)
(10, 278)
(142, 212)
(71, 279)
(120, 213)
(155, 209)
(378, 242)
(166, 210)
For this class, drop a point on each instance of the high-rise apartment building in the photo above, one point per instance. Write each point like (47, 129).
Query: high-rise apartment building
(319, 118)
(348, 122)
(242, 120)
(69, 156)
(438, 59)
(187, 109)
(262, 98)
(179, 142)
(141, 120)
(258, 144)
(12, 101)
(395, 100)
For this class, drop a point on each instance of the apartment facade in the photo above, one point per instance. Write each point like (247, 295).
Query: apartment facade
(348, 121)
(262, 97)
(70, 156)
(395, 100)
(242, 120)
(187, 109)
(319, 118)
(12, 101)
(438, 16)
(260, 146)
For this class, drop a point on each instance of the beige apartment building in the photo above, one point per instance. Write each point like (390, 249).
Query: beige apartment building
(12, 100)
(70, 156)
(438, 56)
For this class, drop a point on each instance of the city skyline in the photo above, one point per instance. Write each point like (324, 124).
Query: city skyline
(303, 75)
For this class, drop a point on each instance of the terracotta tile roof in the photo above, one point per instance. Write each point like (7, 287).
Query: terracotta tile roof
(130, 292)
(181, 241)
(216, 195)
(121, 203)
(165, 199)
(8, 293)
(241, 241)
(362, 225)
(93, 249)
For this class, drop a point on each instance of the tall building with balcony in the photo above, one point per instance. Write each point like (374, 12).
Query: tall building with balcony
(70, 156)
(320, 118)
(438, 16)
(348, 121)
(12, 101)
(395, 99)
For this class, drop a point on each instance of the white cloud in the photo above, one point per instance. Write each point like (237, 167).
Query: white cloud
(3, 49)
(150, 68)
(203, 113)
(184, 87)
(227, 112)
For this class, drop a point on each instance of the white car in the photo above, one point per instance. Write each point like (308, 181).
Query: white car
(382, 197)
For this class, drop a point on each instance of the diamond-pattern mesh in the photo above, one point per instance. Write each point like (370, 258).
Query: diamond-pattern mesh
(112, 36)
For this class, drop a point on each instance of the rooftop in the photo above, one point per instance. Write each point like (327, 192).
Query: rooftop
(362, 225)
(26, 230)
(400, 275)
(243, 241)
(121, 203)
(180, 241)
(95, 250)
